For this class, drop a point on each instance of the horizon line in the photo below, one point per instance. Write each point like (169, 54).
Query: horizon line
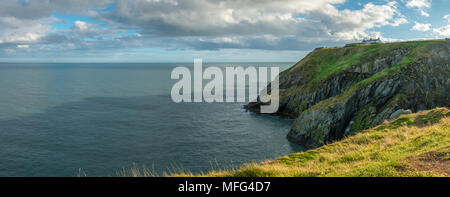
(147, 62)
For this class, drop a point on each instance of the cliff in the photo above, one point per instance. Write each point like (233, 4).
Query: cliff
(336, 92)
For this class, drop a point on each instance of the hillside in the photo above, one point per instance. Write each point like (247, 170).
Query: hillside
(336, 92)
(411, 145)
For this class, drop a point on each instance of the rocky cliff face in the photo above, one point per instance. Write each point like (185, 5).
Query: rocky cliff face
(336, 92)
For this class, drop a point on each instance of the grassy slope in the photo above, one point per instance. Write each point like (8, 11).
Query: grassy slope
(323, 63)
(386, 150)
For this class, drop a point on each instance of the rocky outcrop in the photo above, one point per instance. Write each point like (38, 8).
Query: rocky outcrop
(333, 93)
(398, 113)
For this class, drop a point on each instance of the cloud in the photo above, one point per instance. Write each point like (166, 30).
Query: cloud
(16, 30)
(80, 25)
(35, 9)
(250, 23)
(447, 17)
(353, 24)
(399, 21)
(212, 18)
(443, 31)
(29, 20)
(23, 46)
(421, 27)
(418, 4)
(421, 5)
(194, 24)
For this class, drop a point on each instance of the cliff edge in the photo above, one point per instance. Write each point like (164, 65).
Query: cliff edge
(337, 92)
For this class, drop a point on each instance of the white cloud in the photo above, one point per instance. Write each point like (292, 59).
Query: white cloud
(418, 4)
(421, 27)
(421, 5)
(80, 25)
(353, 24)
(17, 30)
(443, 31)
(447, 17)
(423, 13)
(23, 46)
(306, 20)
(398, 22)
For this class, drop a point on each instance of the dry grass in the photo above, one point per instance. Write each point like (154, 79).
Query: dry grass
(137, 171)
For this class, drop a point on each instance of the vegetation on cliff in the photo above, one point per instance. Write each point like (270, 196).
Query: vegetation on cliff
(336, 92)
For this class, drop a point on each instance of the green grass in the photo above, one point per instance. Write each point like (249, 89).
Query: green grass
(382, 151)
(324, 63)
(418, 50)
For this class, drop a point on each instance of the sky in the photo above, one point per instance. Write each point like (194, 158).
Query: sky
(214, 30)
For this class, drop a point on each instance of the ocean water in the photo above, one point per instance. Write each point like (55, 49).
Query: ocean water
(58, 118)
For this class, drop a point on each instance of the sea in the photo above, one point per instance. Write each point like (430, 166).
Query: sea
(99, 119)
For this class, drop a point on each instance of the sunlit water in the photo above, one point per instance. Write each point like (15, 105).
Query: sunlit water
(58, 118)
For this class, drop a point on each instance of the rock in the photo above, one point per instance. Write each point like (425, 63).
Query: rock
(398, 113)
(349, 126)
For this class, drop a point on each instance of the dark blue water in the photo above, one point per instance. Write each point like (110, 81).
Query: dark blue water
(58, 118)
